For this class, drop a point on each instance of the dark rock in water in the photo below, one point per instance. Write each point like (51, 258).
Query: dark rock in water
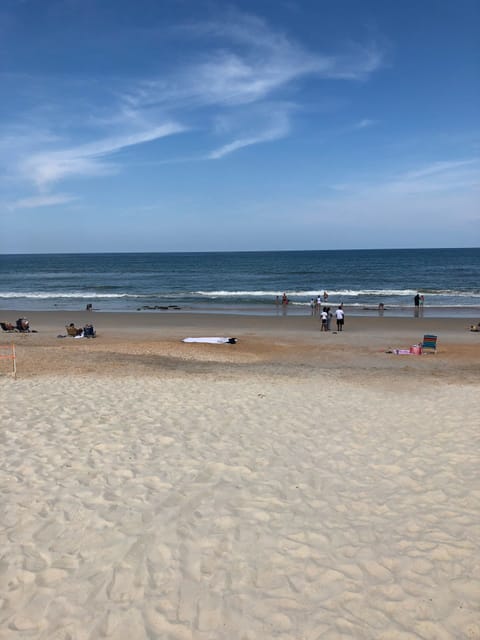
(157, 307)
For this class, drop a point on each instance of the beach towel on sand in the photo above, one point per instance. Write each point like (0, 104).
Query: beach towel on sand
(399, 352)
(212, 340)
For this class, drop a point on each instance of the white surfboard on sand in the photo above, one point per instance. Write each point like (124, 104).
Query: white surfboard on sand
(212, 340)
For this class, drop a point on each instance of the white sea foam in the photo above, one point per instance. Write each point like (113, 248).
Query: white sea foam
(339, 294)
(342, 293)
(41, 295)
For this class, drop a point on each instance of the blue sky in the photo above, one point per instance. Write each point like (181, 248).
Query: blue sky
(184, 125)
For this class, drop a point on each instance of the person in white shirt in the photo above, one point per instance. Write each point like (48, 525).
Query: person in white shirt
(324, 320)
(340, 316)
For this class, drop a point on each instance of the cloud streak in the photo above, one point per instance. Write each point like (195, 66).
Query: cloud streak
(366, 123)
(438, 176)
(41, 201)
(250, 63)
(87, 160)
(440, 168)
(278, 128)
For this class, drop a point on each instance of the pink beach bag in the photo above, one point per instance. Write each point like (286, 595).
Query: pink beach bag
(416, 350)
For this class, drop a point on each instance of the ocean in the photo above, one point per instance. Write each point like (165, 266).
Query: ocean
(246, 282)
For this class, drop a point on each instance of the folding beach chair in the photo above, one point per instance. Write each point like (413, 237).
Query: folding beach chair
(429, 344)
(8, 351)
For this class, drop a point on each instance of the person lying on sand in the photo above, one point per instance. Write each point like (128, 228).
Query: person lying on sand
(475, 327)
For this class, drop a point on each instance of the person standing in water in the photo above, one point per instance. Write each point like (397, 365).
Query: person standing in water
(416, 302)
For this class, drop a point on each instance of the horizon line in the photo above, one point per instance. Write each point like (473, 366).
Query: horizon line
(99, 253)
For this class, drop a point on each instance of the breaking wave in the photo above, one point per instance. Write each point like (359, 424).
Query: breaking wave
(40, 295)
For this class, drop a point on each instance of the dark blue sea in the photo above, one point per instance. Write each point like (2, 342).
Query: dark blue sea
(245, 282)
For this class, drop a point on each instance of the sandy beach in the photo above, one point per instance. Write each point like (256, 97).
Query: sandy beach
(296, 485)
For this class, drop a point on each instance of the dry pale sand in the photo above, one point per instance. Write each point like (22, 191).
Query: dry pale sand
(296, 485)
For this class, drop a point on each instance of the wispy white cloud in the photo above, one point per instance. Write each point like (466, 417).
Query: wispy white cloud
(87, 160)
(258, 64)
(41, 201)
(276, 126)
(439, 209)
(250, 61)
(438, 176)
(242, 63)
(364, 124)
(441, 167)
(266, 136)
(357, 63)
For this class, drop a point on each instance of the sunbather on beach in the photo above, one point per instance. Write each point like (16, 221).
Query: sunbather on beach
(73, 331)
(23, 325)
(89, 331)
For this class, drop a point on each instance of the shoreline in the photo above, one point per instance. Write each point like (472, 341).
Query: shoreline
(205, 317)
(270, 311)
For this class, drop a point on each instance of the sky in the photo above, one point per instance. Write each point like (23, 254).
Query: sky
(192, 125)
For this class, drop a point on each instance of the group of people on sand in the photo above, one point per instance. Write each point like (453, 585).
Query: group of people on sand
(318, 307)
(85, 332)
(326, 317)
(22, 325)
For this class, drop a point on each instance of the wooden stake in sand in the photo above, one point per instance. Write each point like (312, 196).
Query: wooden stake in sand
(8, 351)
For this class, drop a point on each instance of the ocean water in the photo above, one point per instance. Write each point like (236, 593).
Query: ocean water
(245, 282)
